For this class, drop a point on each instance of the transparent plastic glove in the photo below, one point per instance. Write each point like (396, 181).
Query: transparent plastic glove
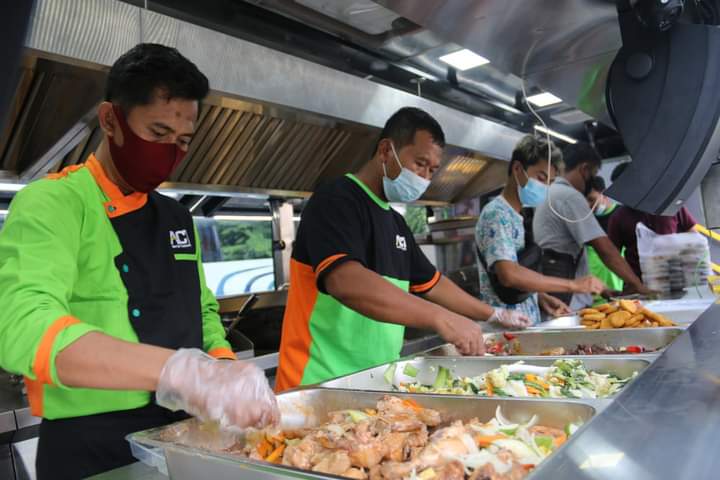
(509, 319)
(234, 394)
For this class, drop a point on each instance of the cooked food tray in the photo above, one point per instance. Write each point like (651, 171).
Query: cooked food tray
(426, 371)
(311, 407)
(533, 343)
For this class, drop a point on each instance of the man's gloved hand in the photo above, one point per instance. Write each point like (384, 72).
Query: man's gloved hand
(509, 319)
(233, 393)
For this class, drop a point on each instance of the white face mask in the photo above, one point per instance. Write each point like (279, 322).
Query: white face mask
(407, 187)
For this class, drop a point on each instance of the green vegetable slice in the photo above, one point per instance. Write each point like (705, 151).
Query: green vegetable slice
(410, 370)
(390, 373)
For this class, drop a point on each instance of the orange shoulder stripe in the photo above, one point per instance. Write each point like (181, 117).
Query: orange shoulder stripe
(427, 285)
(328, 261)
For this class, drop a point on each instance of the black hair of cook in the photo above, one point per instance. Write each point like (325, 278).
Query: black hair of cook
(531, 150)
(402, 126)
(150, 69)
(598, 183)
(578, 154)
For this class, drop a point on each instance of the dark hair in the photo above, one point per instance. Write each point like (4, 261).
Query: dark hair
(403, 124)
(617, 171)
(149, 69)
(578, 154)
(531, 150)
(598, 184)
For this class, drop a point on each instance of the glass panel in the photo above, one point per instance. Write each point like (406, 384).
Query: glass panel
(237, 255)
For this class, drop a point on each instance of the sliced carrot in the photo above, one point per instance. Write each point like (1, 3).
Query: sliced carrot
(489, 387)
(528, 466)
(408, 402)
(533, 391)
(274, 457)
(559, 440)
(535, 379)
(487, 440)
(264, 448)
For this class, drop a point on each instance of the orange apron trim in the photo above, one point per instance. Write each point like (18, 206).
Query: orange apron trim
(119, 204)
(35, 396)
(222, 353)
(427, 285)
(296, 339)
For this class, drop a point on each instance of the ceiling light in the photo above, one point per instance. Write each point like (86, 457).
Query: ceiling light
(464, 59)
(555, 134)
(11, 187)
(543, 99)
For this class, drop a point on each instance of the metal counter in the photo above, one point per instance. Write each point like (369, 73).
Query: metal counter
(664, 425)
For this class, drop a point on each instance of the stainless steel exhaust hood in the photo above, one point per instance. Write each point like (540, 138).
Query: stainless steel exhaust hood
(274, 123)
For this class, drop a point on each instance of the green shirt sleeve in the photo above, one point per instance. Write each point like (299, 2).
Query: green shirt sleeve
(214, 341)
(39, 246)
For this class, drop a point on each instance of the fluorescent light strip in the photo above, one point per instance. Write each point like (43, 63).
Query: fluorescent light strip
(555, 134)
(543, 99)
(11, 187)
(464, 59)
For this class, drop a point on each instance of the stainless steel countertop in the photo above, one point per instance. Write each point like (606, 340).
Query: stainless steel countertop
(664, 425)
(135, 471)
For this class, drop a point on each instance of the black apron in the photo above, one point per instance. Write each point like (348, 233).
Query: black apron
(164, 309)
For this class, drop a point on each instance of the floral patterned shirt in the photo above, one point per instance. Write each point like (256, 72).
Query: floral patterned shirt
(499, 234)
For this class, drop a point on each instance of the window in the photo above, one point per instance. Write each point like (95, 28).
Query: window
(237, 255)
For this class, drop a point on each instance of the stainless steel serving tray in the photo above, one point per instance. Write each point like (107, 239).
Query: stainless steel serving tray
(533, 343)
(373, 379)
(310, 407)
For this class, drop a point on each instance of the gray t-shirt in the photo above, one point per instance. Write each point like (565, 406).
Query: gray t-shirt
(553, 233)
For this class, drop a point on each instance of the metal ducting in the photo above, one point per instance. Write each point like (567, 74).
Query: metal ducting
(274, 124)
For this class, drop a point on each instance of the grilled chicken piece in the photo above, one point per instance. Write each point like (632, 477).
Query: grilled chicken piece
(367, 455)
(334, 463)
(444, 444)
(302, 454)
(450, 471)
(356, 473)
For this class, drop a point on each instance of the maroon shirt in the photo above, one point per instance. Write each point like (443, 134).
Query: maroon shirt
(622, 229)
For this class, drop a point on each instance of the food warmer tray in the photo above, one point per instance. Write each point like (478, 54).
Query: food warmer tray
(373, 379)
(310, 407)
(533, 343)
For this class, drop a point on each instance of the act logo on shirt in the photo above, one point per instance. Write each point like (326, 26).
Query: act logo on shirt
(179, 239)
(400, 243)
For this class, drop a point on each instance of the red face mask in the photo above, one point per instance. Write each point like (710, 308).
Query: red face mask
(142, 164)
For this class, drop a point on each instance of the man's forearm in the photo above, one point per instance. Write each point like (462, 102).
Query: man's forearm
(516, 276)
(455, 299)
(368, 293)
(100, 361)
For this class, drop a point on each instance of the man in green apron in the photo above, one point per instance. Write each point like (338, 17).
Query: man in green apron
(102, 291)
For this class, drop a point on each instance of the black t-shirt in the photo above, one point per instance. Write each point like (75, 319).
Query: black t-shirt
(322, 338)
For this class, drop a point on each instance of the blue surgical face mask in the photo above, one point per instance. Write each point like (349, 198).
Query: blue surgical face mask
(407, 187)
(533, 193)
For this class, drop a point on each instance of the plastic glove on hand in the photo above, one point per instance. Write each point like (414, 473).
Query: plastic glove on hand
(235, 394)
(509, 319)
